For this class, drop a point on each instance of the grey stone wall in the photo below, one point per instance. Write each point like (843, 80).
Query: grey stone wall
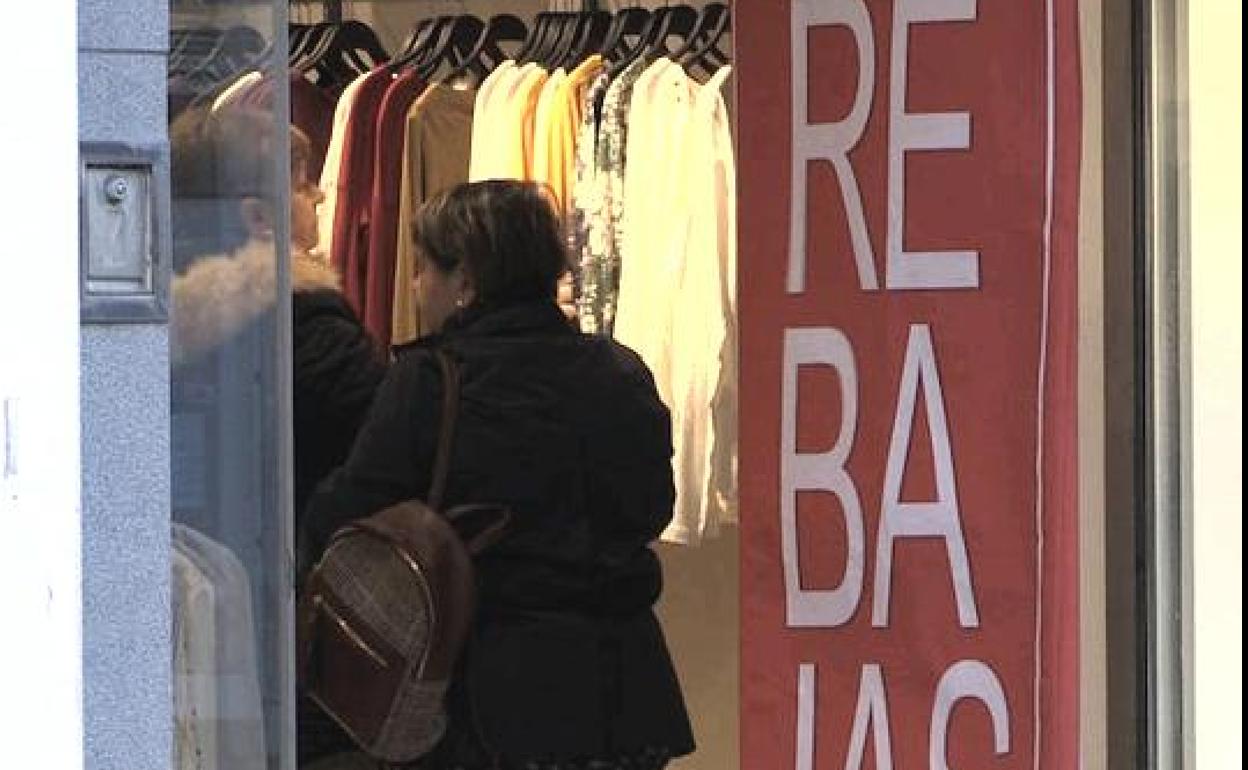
(122, 47)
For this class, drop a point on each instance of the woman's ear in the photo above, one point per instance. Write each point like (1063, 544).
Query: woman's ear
(257, 218)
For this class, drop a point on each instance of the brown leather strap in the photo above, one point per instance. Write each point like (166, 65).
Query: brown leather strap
(477, 539)
(446, 431)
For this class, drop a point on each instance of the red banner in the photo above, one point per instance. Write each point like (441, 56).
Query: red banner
(908, 232)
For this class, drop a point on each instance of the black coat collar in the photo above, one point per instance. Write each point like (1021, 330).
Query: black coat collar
(520, 320)
(529, 319)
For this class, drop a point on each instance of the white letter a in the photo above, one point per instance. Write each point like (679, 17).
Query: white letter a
(929, 519)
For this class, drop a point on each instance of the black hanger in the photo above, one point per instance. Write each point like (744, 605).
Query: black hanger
(417, 46)
(706, 54)
(590, 37)
(296, 38)
(627, 21)
(312, 39)
(321, 56)
(340, 50)
(576, 27)
(315, 45)
(241, 47)
(500, 28)
(536, 39)
(677, 20)
(561, 40)
(356, 39)
(453, 45)
(195, 46)
(178, 40)
(227, 55)
(708, 18)
(579, 25)
(440, 44)
(414, 40)
(504, 28)
(664, 22)
(553, 41)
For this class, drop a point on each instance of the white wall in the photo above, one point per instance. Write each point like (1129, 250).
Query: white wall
(40, 578)
(1215, 87)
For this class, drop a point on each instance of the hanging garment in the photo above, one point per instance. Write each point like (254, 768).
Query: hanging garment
(326, 212)
(523, 115)
(355, 186)
(437, 152)
(312, 111)
(725, 468)
(588, 212)
(601, 229)
(494, 83)
(703, 360)
(194, 664)
(542, 161)
(499, 152)
(677, 299)
(239, 719)
(654, 215)
(557, 164)
(512, 111)
(555, 129)
(384, 206)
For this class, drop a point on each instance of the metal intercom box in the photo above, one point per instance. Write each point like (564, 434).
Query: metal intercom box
(124, 216)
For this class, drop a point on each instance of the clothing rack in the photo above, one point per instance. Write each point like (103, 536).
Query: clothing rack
(333, 8)
(602, 109)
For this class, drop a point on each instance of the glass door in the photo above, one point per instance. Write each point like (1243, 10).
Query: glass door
(231, 415)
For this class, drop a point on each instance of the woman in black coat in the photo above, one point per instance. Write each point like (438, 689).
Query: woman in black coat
(225, 312)
(223, 329)
(226, 287)
(567, 666)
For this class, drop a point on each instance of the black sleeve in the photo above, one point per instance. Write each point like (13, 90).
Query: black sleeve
(390, 461)
(639, 474)
(659, 487)
(337, 370)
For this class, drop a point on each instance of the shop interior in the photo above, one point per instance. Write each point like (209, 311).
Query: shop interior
(675, 303)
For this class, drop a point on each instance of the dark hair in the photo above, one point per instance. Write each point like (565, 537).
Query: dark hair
(504, 233)
(218, 159)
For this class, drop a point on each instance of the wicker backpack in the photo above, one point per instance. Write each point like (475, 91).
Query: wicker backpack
(384, 613)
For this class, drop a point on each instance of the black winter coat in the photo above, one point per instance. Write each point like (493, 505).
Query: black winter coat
(337, 370)
(337, 367)
(567, 659)
(225, 319)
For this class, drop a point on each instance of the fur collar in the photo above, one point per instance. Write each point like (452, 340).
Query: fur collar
(222, 294)
(312, 272)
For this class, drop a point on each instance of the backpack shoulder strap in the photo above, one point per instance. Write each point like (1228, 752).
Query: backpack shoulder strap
(446, 431)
